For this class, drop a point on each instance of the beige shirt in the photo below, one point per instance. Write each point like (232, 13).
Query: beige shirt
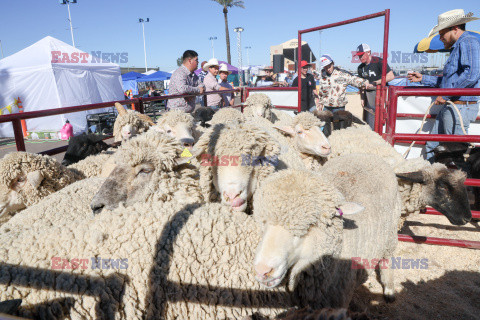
(211, 84)
(333, 88)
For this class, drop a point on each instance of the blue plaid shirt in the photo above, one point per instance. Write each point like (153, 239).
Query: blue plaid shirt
(462, 69)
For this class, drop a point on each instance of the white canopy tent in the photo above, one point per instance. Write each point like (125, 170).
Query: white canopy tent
(52, 74)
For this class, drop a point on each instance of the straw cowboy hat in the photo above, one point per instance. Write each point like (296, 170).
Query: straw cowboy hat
(261, 73)
(212, 62)
(452, 18)
(224, 68)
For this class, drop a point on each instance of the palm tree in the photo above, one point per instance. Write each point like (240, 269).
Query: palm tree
(228, 4)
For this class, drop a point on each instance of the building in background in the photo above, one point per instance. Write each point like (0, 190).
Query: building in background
(289, 50)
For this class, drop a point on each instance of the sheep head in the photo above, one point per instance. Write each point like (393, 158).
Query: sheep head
(444, 190)
(227, 116)
(298, 230)
(26, 178)
(258, 105)
(307, 135)
(148, 167)
(179, 125)
(233, 161)
(129, 123)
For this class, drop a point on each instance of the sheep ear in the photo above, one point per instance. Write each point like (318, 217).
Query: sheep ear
(349, 208)
(35, 178)
(416, 176)
(286, 129)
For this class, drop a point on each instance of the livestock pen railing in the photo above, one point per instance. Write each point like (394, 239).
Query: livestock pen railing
(392, 137)
(138, 104)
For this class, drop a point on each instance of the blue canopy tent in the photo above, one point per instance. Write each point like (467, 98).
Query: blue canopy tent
(129, 81)
(156, 76)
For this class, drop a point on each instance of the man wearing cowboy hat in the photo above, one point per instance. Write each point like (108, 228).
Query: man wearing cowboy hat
(211, 84)
(262, 81)
(462, 70)
(228, 98)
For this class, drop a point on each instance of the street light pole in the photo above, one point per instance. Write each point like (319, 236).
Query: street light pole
(213, 50)
(239, 30)
(248, 56)
(67, 2)
(1, 48)
(144, 47)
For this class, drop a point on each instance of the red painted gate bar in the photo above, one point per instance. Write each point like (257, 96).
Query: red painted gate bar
(391, 136)
(381, 93)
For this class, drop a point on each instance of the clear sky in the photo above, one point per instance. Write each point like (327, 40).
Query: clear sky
(112, 26)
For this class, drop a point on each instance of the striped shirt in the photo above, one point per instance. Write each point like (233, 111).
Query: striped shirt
(183, 81)
(462, 69)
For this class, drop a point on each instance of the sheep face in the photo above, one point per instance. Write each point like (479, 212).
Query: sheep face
(235, 183)
(298, 231)
(444, 190)
(147, 167)
(181, 131)
(126, 184)
(259, 110)
(128, 131)
(310, 141)
(234, 160)
(13, 197)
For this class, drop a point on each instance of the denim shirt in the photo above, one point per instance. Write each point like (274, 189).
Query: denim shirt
(462, 69)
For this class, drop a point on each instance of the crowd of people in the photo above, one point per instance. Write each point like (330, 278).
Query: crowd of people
(327, 90)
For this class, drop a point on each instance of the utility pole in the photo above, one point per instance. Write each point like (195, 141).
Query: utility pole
(213, 50)
(144, 47)
(239, 30)
(67, 2)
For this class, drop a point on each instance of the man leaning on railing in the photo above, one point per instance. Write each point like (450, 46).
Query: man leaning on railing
(185, 81)
(462, 70)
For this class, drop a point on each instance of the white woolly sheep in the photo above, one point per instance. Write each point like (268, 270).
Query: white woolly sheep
(98, 165)
(258, 105)
(420, 182)
(26, 178)
(233, 161)
(66, 229)
(308, 232)
(178, 124)
(301, 139)
(160, 260)
(148, 167)
(227, 116)
(129, 123)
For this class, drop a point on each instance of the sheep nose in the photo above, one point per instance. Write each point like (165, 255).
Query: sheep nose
(97, 207)
(263, 271)
(231, 195)
(326, 148)
(187, 142)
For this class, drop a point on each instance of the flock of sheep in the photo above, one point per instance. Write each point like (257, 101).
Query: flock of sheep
(257, 214)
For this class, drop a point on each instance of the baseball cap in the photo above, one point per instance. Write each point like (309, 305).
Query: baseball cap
(361, 49)
(325, 60)
(304, 63)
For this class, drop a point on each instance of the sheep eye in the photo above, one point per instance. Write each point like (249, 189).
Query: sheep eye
(145, 171)
(299, 132)
(169, 131)
(20, 179)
